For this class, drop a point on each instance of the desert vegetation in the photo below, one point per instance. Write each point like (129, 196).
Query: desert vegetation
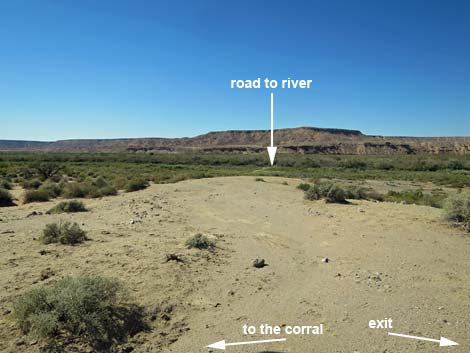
(63, 233)
(93, 309)
(326, 190)
(457, 209)
(36, 196)
(136, 185)
(119, 169)
(68, 207)
(5, 198)
(200, 241)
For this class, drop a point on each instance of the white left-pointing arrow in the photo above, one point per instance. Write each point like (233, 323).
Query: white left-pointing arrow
(222, 344)
(443, 342)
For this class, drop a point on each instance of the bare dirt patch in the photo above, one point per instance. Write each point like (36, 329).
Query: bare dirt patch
(385, 260)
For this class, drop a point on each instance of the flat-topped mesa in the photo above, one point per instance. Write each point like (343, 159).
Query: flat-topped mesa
(305, 140)
(287, 136)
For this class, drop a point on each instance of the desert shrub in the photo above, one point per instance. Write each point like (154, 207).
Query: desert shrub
(5, 184)
(63, 233)
(120, 183)
(457, 208)
(357, 193)
(107, 190)
(353, 164)
(36, 196)
(75, 190)
(92, 309)
(31, 184)
(99, 182)
(318, 190)
(455, 164)
(68, 207)
(417, 197)
(5, 198)
(136, 184)
(336, 194)
(53, 189)
(46, 170)
(200, 241)
(303, 186)
(327, 190)
(260, 179)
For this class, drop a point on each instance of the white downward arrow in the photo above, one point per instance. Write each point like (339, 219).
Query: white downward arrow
(443, 342)
(221, 344)
(272, 150)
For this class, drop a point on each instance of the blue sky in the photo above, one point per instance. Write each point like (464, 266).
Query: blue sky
(107, 69)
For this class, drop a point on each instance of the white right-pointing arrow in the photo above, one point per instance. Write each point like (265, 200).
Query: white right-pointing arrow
(443, 342)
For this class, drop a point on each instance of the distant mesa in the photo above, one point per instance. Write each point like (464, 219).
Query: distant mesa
(304, 140)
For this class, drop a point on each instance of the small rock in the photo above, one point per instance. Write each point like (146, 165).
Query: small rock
(259, 263)
(34, 213)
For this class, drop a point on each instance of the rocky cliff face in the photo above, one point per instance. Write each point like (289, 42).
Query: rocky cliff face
(305, 140)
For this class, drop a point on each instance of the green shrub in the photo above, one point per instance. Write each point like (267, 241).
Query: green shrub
(63, 233)
(455, 164)
(53, 189)
(318, 191)
(457, 209)
(200, 241)
(136, 184)
(36, 196)
(357, 193)
(5, 198)
(75, 190)
(417, 197)
(120, 183)
(326, 190)
(100, 182)
(107, 190)
(303, 186)
(336, 195)
(93, 309)
(5, 184)
(68, 207)
(31, 184)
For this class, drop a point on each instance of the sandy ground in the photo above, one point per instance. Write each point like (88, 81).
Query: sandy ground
(386, 261)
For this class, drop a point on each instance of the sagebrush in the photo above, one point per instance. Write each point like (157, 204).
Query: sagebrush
(93, 309)
(68, 207)
(63, 233)
(457, 208)
(200, 241)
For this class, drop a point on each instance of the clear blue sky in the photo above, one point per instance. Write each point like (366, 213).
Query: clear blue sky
(104, 69)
